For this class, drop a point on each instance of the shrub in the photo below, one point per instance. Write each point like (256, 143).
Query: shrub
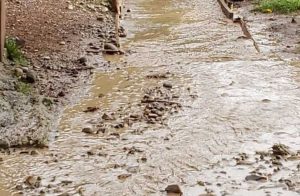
(14, 52)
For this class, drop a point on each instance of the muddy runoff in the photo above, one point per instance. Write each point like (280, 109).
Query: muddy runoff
(191, 109)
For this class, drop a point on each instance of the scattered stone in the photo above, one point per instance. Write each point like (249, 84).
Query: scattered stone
(128, 10)
(101, 95)
(30, 76)
(106, 116)
(167, 85)
(158, 76)
(34, 152)
(33, 181)
(82, 60)
(18, 72)
(61, 94)
(133, 169)
(254, 177)
(244, 162)
(124, 176)
(91, 152)
(266, 100)
(173, 189)
(70, 7)
(111, 48)
(100, 18)
(276, 162)
(281, 150)
(19, 187)
(62, 43)
(293, 21)
(91, 109)
(46, 58)
(88, 130)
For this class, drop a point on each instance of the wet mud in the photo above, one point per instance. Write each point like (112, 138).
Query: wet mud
(184, 111)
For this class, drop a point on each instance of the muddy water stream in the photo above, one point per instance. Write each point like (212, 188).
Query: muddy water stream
(234, 100)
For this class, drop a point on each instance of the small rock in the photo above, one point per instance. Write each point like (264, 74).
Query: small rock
(34, 152)
(281, 150)
(91, 109)
(61, 94)
(111, 48)
(106, 116)
(167, 85)
(30, 76)
(293, 21)
(33, 181)
(255, 177)
(201, 183)
(124, 176)
(82, 60)
(70, 7)
(101, 130)
(19, 187)
(91, 152)
(18, 72)
(173, 189)
(62, 43)
(100, 18)
(128, 10)
(46, 58)
(87, 130)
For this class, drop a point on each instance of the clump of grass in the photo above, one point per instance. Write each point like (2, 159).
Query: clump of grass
(14, 52)
(23, 88)
(279, 6)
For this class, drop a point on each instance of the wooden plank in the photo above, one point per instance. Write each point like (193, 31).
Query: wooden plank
(2, 28)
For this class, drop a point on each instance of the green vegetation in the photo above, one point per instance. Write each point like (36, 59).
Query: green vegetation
(14, 52)
(23, 88)
(279, 6)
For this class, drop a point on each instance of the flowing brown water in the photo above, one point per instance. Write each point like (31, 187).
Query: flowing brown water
(245, 99)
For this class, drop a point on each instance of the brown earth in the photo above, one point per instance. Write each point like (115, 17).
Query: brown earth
(61, 41)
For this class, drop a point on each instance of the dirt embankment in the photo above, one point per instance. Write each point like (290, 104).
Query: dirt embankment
(62, 42)
(272, 32)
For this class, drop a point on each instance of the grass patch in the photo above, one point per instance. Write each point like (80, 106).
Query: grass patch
(278, 6)
(14, 52)
(23, 88)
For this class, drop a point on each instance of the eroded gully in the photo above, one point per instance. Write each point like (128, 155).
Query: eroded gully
(234, 100)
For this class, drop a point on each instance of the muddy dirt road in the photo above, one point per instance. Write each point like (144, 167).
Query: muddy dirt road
(234, 99)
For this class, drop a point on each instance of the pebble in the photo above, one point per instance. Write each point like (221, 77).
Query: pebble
(111, 47)
(19, 72)
(173, 189)
(87, 130)
(46, 58)
(30, 76)
(167, 85)
(106, 116)
(82, 60)
(70, 7)
(255, 177)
